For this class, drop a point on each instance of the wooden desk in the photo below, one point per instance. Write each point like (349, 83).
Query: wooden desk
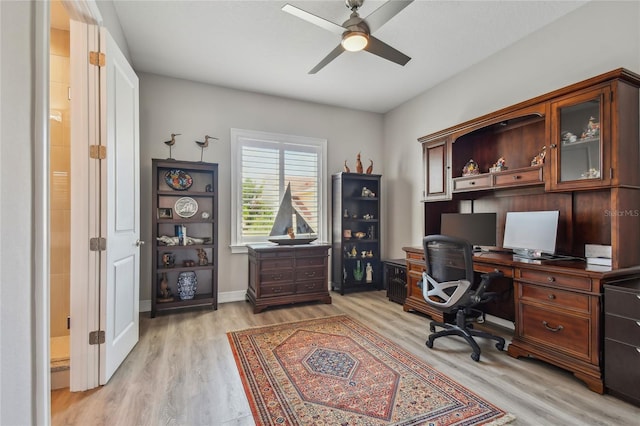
(558, 309)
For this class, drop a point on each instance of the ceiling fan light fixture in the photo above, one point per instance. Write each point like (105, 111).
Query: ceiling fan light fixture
(354, 41)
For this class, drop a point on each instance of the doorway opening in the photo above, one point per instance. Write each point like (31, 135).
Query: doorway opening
(59, 195)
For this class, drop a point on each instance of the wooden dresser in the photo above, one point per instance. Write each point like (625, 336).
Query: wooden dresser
(280, 274)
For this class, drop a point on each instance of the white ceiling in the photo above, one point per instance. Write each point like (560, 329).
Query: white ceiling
(255, 46)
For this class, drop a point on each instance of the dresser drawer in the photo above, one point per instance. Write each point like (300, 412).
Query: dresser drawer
(312, 286)
(472, 182)
(622, 329)
(518, 177)
(565, 299)
(276, 276)
(561, 331)
(621, 371)
(311, 274)
(310, 261)
(276, 289)
(555, 279)
(284, 263)
(485, 269)
(623, 303)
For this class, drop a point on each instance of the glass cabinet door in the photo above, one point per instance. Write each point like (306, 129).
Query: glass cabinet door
(578, 139)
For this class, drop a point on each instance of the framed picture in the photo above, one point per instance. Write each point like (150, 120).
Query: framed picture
(165, 213)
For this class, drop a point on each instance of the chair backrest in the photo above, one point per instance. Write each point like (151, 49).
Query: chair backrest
(449, 277)
(448, 258)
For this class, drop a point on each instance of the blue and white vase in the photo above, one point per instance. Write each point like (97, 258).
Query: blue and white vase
(187, 285)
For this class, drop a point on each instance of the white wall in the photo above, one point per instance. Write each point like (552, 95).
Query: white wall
(17, 318)
(169, 105)
(596, 38)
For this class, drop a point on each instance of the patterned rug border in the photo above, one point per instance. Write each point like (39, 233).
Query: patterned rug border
(503, 419)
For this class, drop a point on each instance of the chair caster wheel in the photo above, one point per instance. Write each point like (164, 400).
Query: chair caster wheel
(429, 344)
(475, 357)
(500, 346)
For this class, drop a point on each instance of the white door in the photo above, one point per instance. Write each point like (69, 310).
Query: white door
(119, 298)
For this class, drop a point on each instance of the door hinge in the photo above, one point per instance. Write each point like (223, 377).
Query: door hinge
(97, 58)
(68, 323)
(97, 244)
(97, 152)
(96, 337)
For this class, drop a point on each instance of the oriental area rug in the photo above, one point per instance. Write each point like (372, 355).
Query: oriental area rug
(336, 371)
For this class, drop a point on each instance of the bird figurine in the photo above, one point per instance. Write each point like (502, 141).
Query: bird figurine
(346, 168)
(204, 144)
(370, 168)
(171, 142)
(358, 164)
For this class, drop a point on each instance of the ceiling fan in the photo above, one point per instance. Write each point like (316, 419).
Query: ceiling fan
(356, 31)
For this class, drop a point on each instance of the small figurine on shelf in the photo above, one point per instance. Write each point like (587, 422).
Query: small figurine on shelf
(499, 165)
(538, 160)
(171, 142)
(370, 168)
(202, 257)
(568, 138)
(164, 292)
(471, 168)
(369, 271)
(593, 129)
(358, 272)
(346, 168)
(358, 164)
(354, 252)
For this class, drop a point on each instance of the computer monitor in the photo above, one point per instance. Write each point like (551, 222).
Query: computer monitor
(531, 235)
(477, 228)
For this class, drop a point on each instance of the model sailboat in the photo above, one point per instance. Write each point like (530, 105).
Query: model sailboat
(290, 228)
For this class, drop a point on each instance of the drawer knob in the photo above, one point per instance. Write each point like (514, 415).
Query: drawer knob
(472, 183)
(551, 279)
(551, 296)
(516, 177)
(310, 274)
(554, 329)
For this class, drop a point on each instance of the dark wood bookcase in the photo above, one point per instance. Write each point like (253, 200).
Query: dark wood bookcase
(356, 232)
(185, 194)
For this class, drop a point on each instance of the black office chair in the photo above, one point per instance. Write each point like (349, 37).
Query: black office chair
(448, 286)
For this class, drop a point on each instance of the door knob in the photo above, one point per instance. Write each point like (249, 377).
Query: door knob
(139, 243)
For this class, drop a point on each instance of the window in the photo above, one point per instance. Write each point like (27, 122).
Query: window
(262, 166)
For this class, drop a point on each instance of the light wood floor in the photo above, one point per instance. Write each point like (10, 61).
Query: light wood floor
(182, 371)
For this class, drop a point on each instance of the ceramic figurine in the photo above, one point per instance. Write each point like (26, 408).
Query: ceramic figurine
(471, 168)
(538, 160)
(358, 272)
(204, 144)
(358, 164)
(369, 271)
(346, 168)
(370, 168)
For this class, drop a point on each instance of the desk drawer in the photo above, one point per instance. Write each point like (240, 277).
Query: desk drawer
(276, 289)
(276, 276)
(620, 368)
(471, 183)
(311, 274)
(555, 279)
(563, 332)
(485, 269)
(622, 303)
(622, 329)
(565, 299)
(515, 177)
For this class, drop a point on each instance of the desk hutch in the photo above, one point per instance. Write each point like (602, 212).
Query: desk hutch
(588, 133)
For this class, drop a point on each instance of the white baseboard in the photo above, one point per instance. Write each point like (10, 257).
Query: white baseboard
(226, 297)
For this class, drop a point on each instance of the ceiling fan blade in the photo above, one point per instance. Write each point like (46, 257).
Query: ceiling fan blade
(385, 51)
(330, 57)
(316, 20)
(384, 13)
